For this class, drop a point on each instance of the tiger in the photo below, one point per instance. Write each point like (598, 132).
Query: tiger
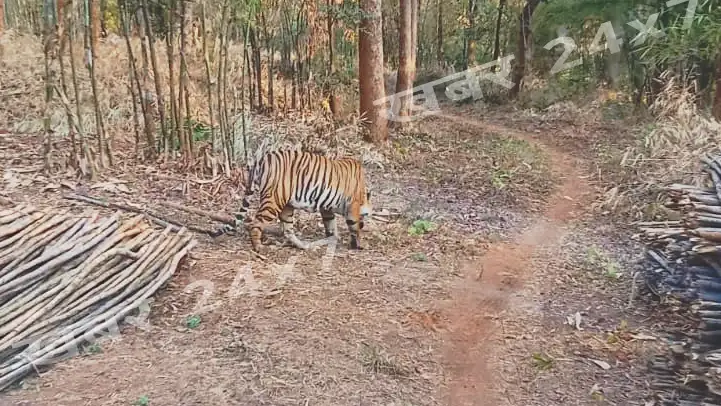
(296, 179)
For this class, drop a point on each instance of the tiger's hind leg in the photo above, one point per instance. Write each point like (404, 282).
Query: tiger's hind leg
(286, 226)
(331, 230)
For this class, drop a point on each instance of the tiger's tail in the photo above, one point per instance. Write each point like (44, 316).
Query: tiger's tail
(251, 186)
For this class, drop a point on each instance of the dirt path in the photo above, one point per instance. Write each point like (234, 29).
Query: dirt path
(476, 312)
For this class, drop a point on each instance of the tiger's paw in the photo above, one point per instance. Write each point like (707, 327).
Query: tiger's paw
(355, 245)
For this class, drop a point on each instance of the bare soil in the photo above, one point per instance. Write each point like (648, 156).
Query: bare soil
(473, 312)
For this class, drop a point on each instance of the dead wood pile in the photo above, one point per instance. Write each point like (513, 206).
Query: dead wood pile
(683, 270)
(65, 279)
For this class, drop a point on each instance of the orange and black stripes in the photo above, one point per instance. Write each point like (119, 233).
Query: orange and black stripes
(290, 179)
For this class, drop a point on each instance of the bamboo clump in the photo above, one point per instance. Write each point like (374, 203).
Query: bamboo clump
(66, 278)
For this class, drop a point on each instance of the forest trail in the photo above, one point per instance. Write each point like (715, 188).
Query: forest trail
(476, 312)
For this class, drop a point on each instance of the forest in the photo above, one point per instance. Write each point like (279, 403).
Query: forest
(545, 178)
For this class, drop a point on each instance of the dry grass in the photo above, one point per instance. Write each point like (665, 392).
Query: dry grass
(667, 151)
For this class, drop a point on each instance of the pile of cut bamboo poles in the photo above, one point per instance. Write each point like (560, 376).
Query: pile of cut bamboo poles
(64, 279)
(683, 268)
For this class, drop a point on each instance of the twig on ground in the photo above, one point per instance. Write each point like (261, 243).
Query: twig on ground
(152, 216)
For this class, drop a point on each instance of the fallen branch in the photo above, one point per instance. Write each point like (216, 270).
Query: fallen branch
(152, 216)
(217, 217)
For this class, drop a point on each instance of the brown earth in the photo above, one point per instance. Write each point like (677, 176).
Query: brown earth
(434, 319)
(490, 281)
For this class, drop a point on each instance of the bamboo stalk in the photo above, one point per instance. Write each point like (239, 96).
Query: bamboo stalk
(156, 74)
(207, 76)
(149, 150)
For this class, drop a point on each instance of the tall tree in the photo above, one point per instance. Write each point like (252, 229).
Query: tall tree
(96, 21)
(370, 70)
(497, 39)
(717, 95)
(416, 4)
(2, 15)
(439, 33)
(470, 59)
(524, 35)
(407, 67)
(334, 98)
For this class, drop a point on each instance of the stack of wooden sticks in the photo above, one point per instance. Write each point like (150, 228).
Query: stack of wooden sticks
(683, 268)
(65, 279)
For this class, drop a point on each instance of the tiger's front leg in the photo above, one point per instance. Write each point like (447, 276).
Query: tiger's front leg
(266, 215)
(286, 226)
(354, 222)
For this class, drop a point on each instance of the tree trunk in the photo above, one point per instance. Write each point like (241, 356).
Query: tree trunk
(174, 111)
(386, 38)
(497, 39)
(96, 22)
(255, 49)
(370, 71)
(183, 91)
(269, 49)
(103, 27)
(145, 67)
(294, 86)
(416, 4)
(613, 60)
(471, 50)
(249, 73)
(406, 67)
(524, 34)
(439, 28)
(717, 94)
(2, 15)
(333, 98)
(705, 76)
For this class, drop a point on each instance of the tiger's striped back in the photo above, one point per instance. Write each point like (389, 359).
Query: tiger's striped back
(291, 179)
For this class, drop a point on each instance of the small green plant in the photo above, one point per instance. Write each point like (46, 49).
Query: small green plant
(420, 227)
(599, 260)
(142, 401)
(376, 360)
(500, 178)
(542, 361)
(420, 257)
(200, 131)
(193, 321)
(94, 348)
